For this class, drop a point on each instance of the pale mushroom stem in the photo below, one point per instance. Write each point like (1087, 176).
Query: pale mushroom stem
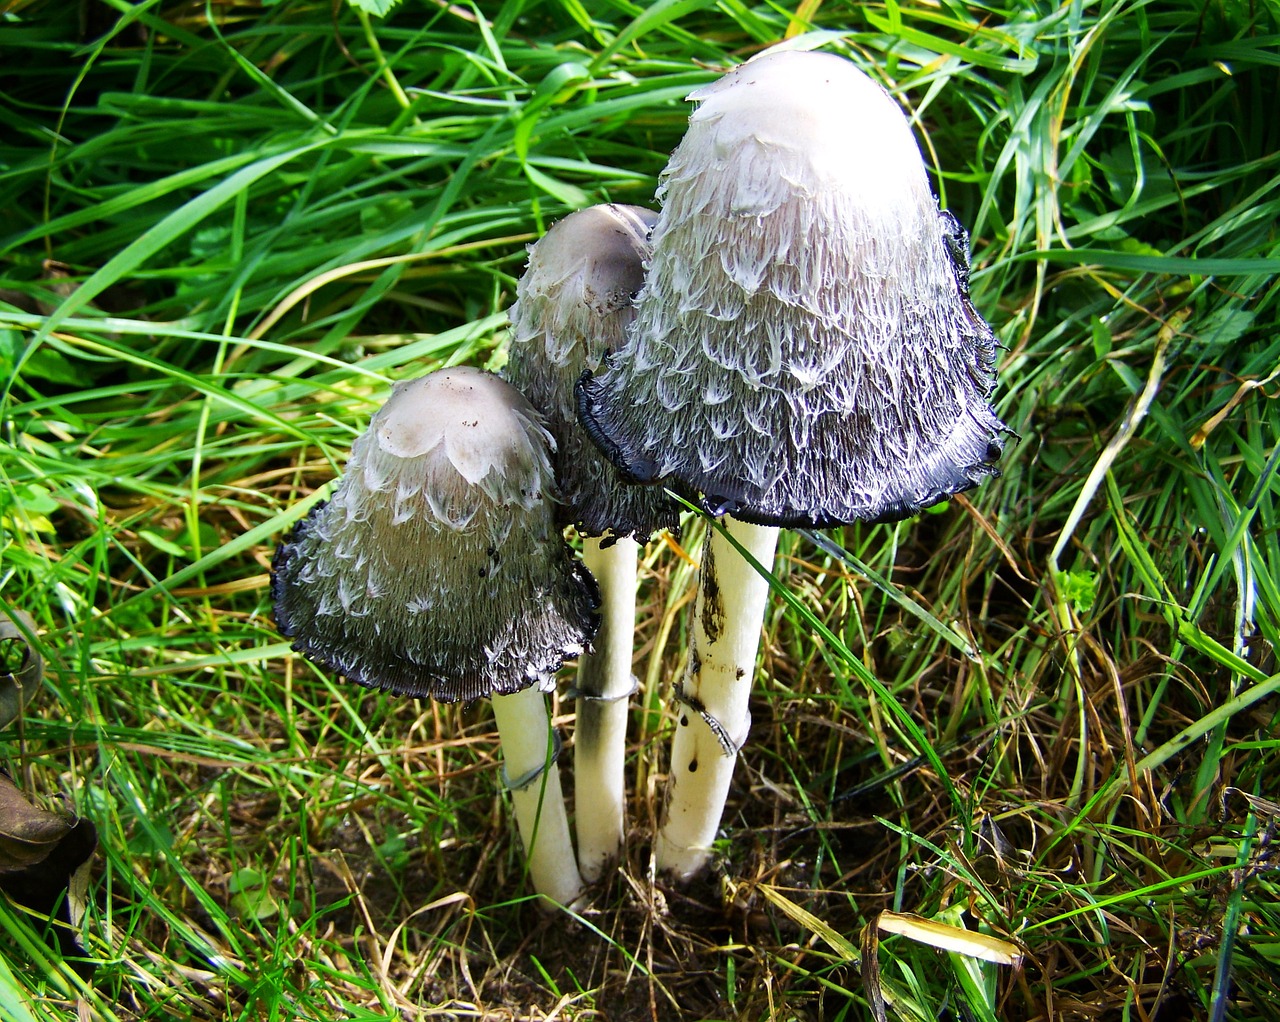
(605, 685)
(524, 731)
(713, 699)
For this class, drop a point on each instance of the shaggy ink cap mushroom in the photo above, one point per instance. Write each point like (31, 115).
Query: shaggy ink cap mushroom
(572, 307)
(804, 350)
(573, 304)
(437, 568)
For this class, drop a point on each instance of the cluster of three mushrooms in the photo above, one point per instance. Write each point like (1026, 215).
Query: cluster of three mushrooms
(803, 350)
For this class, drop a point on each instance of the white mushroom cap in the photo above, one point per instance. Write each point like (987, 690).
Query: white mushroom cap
(807, 122)
(803, 351)
(572, 307)
(437, 568)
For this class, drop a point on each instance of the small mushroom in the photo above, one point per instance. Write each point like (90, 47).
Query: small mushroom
(804, 352)
(437, 569)
(573, 304)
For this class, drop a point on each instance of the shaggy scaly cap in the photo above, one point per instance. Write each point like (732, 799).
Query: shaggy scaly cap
(572, 308)
(804, 349)
(437, 568)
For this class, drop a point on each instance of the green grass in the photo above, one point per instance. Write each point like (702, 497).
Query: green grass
(224, 229)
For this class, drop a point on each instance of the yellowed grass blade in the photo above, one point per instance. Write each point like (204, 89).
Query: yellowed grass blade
(950, 938)
(838, 943)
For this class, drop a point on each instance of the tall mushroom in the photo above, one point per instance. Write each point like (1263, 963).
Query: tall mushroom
(437, 569)
(573, 304)
(804, 352)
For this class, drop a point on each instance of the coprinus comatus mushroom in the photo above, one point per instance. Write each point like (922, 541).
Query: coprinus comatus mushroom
(437, 569)
(804, 352)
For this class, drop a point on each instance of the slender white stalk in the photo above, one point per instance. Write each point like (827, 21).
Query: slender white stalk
(605, 684)
(714, 716)
(524, 730)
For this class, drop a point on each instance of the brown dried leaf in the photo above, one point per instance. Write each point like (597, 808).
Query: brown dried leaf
(44, 855)
(27, 833)
(21, 666)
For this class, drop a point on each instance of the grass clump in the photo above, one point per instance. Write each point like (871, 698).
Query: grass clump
(225, 229)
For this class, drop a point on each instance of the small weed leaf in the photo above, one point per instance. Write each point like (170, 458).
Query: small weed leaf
(251, 894)
(1079, 588)
(378, 8)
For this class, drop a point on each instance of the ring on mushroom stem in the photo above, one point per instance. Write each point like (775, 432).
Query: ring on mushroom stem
(437, 569)
(804, 352)
(573, 304)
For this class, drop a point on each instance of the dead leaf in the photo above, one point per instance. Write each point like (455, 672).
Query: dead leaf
(27, 834)
(871, 974)
(42, 855)
(21, 666)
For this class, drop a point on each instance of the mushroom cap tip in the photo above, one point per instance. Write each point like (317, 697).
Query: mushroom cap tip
(479, 422)
(593, 258)
(817, 105)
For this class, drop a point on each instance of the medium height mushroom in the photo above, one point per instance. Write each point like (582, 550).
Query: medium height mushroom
(573, 304)
(437, 569)
(804, 353)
